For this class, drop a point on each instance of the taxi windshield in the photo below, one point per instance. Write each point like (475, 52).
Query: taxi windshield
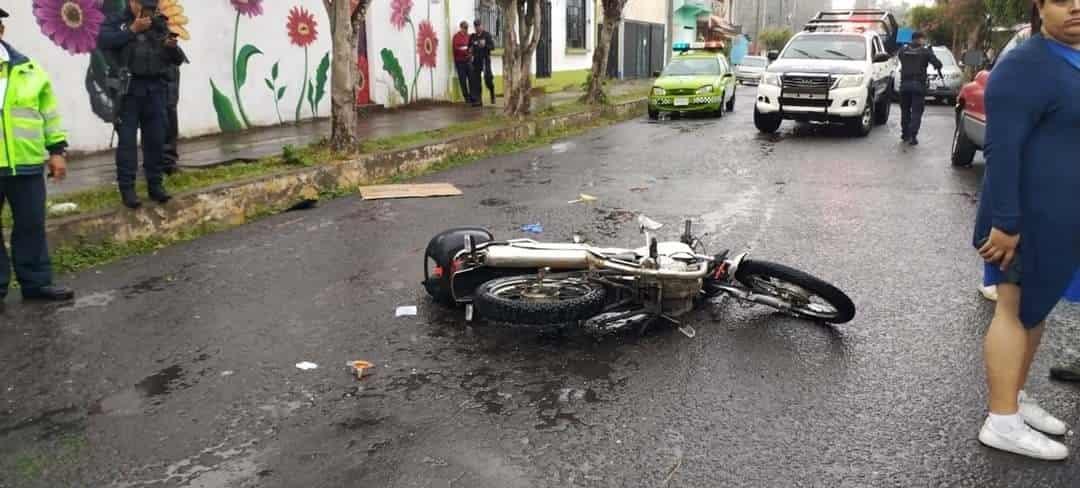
(692, 67)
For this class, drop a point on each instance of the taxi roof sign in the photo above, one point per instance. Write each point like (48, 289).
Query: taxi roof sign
(697, 46)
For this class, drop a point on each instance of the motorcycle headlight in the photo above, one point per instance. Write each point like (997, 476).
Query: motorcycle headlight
(659, 92)
(848, 81)
(705, 90)
(770, 79)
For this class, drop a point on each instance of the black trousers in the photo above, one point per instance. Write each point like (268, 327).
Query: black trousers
(464, 75)
(143, 111)
(912, 103)
(29, 252)
(482, 67)
(171, 153)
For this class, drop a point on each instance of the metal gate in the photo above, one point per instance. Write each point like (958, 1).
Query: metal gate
(613, 53)
(642, 49)
(543, 48)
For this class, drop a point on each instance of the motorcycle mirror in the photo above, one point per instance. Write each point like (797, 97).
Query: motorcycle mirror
(649, 224)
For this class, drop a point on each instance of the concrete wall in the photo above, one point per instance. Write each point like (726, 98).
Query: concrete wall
(207, 37)
(653, 11)
(416, 39)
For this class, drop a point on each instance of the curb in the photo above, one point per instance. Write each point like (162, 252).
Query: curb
(237, 202)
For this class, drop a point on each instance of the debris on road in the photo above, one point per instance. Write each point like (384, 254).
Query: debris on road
(533, 228)
(583, 198)
(379, 192)
(227, 373)
(63, 208)
(408, 311)
(639, 189)
(306, 365)
(359, 367)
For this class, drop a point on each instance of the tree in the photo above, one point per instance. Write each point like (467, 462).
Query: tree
(613, 10)
(933, 21)
(775, 38)
(520, 38)
(347, 17)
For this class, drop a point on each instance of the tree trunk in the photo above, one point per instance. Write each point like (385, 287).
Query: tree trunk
(521, 37)
(594, 95)
(343, 88)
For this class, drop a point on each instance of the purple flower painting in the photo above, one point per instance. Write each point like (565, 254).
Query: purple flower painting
(71, 24)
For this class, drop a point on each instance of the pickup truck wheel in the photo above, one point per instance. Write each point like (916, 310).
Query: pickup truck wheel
(963, 150)
(767, 123)
(862, 125)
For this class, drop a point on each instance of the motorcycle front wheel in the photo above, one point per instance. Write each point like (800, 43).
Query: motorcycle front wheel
(530, 300)
(809, 297)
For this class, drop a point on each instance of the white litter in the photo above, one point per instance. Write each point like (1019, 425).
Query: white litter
(305, 365)
(63, 208)
(409, 311)
(227, 373)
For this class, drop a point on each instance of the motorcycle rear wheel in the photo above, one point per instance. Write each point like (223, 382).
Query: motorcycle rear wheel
(809, 296)
(528, 300)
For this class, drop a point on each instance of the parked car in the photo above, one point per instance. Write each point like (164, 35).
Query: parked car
(698, 79)
(751, 69)
(945, 89)
(969, 135)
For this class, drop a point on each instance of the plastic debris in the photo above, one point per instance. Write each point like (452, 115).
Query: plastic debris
(306, 365)
(227, 373)
(583, 198)
(532, 228)
(63, 208)
(358, 368)
(409, 311)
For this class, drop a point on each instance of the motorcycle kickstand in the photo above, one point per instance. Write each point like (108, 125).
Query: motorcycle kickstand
(686, 330)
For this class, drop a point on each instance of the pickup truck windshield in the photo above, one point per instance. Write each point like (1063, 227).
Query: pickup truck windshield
(832, 47)
(693, 67)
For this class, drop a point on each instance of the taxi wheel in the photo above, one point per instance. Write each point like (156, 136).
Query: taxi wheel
(654, 114)
(730, 107)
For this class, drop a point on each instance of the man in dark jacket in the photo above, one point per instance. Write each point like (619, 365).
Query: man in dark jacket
(482, 45)
(171, 157)
(140, 39)
(914, 59)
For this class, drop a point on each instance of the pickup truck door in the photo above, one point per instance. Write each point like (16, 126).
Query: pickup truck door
(880, 72)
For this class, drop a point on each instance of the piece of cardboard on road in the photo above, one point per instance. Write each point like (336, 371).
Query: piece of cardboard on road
(379, 192)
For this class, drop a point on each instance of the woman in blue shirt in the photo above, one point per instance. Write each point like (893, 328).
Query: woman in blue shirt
(1029, 219)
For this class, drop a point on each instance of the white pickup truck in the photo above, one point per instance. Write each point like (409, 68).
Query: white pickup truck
(833, 72)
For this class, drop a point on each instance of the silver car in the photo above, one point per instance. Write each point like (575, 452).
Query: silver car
(750, 70)
(944, 89)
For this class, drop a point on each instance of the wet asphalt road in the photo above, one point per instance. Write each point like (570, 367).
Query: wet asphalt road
(177, 369)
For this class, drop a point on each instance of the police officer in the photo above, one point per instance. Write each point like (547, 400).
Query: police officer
(914, 59)
(482, 44)
(140, 38)
(171, 156)
(31, 135)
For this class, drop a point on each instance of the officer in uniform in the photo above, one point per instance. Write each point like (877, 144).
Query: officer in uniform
(140, 38)
(914, 59)
(171, 157)
(31, 135)
(482, 44)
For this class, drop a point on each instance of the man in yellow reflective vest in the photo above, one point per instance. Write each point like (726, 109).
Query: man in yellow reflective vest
(32, 139)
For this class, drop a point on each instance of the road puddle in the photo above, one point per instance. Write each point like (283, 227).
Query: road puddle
(132, 401)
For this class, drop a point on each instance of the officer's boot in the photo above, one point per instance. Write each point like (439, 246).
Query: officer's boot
(157, 192)
(129, 197)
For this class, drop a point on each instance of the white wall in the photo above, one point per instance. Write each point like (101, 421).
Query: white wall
(654, 11)
(210, 50)
(383, 34)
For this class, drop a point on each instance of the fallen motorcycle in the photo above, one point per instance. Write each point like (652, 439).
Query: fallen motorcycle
(522, 281)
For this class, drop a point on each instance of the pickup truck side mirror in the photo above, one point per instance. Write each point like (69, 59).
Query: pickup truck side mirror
(882, 58)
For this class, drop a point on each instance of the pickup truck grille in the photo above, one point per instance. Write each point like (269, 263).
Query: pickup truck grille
(816, 84)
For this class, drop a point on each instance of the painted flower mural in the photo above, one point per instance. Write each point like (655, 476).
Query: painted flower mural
(363, 90)
(71, 24)
(302, 27)
(177, 20)
(399, 13)
(250, 8)
(427, 44)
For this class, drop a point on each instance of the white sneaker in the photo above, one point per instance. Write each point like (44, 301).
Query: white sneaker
(989, 292)
(1024, 441)
(1040, 419)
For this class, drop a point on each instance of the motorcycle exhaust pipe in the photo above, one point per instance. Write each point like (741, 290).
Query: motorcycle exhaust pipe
(745, 295)
(604, 263)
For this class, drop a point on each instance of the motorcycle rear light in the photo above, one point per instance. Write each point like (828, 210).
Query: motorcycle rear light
(437, 272)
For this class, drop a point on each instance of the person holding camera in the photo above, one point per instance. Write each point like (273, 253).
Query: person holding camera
(141, 40)
(31, 132)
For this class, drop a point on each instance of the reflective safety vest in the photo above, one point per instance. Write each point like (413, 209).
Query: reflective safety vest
(30, 119)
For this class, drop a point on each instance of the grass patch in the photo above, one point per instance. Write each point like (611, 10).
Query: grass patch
(403, 141)
(38, 463)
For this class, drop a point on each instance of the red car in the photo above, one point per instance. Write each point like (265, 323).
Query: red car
(970, 134)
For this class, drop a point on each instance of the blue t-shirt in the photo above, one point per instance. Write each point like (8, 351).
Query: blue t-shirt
(1068, 53)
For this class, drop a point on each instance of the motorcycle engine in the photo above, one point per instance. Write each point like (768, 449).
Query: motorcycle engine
(678, 295)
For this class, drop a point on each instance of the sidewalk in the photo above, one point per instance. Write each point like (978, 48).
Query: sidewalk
(98, 169)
